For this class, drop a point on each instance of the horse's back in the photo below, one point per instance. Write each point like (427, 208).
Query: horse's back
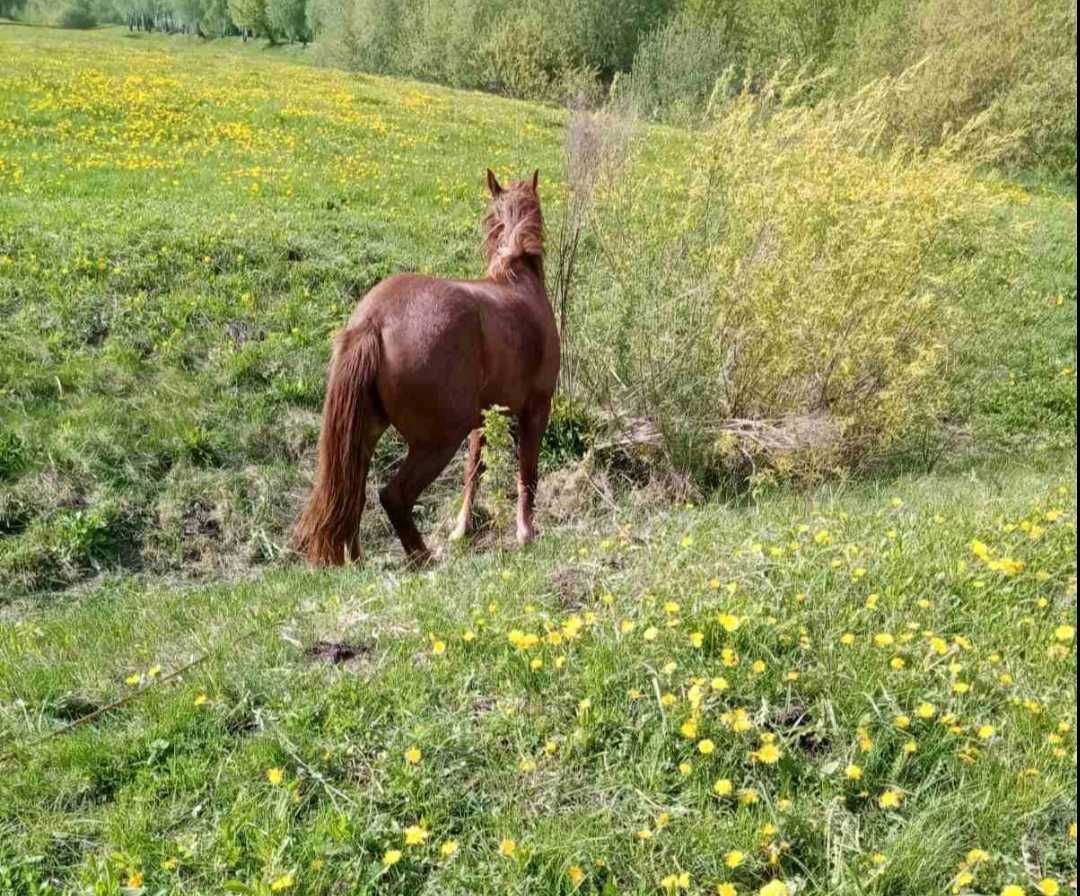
(451, 348)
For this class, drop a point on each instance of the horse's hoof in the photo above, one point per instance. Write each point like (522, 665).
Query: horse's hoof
(526, 536)
(420, 560)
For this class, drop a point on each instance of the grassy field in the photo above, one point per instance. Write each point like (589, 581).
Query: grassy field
(864, 688)
(182, 228)
(843, 691)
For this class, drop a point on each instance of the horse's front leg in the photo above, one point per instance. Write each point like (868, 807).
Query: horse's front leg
(474, 469)
(531, 425)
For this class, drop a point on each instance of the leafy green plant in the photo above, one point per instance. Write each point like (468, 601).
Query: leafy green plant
(570, 433)
(12, 455)
(498, 457)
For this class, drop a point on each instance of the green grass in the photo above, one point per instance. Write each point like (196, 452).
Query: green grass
(181, 228)
(163, 778)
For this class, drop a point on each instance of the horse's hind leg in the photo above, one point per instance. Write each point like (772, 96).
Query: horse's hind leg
(373, 428)
(420, 468)
(474, 469)
(531, 424)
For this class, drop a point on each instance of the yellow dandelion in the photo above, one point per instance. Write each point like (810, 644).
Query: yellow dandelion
(728, 621)
(415, 835)
(891, 799)
(768, 754)
(673, 882)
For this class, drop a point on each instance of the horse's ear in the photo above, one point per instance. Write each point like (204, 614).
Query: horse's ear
(536, 179)
(493, 184)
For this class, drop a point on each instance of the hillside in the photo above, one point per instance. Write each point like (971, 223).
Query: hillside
(183, 227)
(860, 681)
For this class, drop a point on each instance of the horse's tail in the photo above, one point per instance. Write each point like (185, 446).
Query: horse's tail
(330, 520)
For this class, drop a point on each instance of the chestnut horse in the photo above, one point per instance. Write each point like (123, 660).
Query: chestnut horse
(428, 356)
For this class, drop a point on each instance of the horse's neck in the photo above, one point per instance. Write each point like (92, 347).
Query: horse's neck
(526, 278)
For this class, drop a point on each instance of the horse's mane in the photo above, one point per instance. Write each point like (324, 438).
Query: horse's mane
(513, 228)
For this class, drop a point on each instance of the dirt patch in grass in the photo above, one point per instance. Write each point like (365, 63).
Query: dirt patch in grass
(337, 652)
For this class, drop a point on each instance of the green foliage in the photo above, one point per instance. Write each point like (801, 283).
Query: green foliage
(498, 457)
(502, 45)
(677, 67)
(77, 14)
(1012, 62)
(252, 16)
(570, 433)
(289, 19)
(12, 455)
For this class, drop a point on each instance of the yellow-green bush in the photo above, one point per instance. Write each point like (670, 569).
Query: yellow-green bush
(782, 294)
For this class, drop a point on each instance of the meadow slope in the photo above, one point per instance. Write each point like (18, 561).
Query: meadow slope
(860, 690)
(184, 225)
(181, 230)
(865, 687)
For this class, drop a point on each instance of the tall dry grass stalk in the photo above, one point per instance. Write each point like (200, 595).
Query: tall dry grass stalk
(595, 152)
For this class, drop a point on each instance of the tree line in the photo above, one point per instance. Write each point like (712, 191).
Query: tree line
(272, 20)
